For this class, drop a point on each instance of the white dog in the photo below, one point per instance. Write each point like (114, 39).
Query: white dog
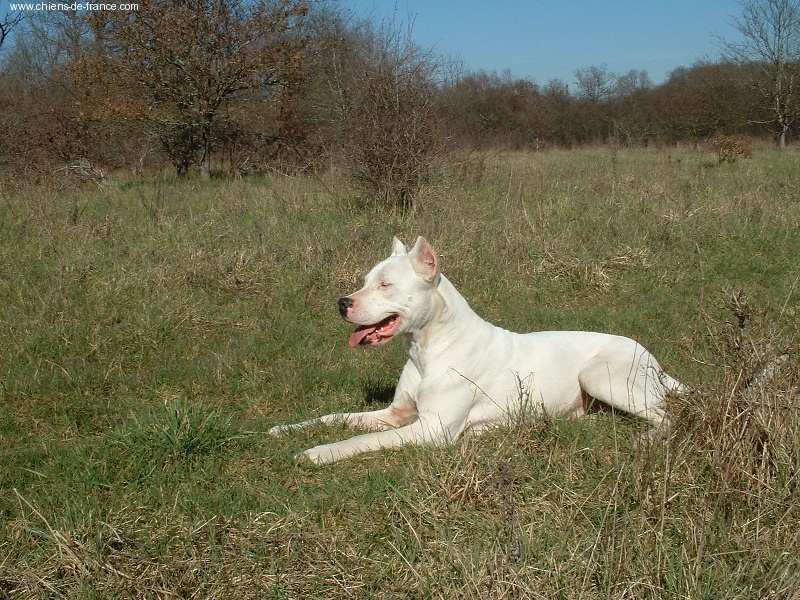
(463, 372)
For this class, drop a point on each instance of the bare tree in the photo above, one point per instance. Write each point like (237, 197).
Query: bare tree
(7, 23)
(47, 42)
(633, 81)
(770, 32)
(557, 88)
(595, 83)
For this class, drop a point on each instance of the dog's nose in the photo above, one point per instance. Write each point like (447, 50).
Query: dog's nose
(344, 305)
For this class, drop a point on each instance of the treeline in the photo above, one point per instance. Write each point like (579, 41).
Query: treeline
(693, 105)
(236, 86)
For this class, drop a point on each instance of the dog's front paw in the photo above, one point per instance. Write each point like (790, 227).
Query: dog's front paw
(318, 455)
(278, 430)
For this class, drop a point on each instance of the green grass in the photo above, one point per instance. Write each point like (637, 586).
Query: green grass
(152, 331)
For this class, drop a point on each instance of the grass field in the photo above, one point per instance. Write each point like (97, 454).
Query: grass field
(152, 331)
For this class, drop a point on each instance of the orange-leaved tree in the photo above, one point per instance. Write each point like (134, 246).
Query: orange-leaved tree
(187, 61)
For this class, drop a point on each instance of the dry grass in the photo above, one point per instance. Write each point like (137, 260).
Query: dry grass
(149, 340)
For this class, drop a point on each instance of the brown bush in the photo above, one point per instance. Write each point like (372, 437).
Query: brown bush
(729, 148)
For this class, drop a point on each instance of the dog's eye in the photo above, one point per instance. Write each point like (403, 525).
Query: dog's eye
(383, 285)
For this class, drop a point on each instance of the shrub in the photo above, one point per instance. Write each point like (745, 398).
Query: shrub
(388, 119)
(729, 148)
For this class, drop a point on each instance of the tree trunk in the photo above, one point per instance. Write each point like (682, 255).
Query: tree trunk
(205, 162)
(205, 167)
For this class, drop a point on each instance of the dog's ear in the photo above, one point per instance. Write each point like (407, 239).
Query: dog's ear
(398, 247)
(424, 260)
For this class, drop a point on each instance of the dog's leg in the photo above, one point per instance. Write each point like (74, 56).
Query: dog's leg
(440, 423)
(633, 386)
(385, 418)
(421, 431)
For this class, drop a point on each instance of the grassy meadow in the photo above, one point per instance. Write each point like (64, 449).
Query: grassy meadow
(152, 331)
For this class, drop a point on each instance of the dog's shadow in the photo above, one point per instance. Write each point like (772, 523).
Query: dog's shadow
(377, 393)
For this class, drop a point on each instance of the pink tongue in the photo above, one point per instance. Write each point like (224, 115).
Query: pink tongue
(359, 334)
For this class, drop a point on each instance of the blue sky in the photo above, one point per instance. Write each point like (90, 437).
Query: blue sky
(545, 39)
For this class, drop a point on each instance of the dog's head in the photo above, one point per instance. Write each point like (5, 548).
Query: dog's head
(399, 295)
